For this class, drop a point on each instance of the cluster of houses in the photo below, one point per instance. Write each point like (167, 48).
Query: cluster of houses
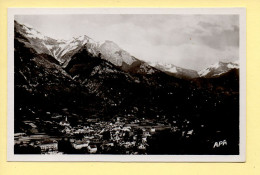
(104, 135)
(121, 135)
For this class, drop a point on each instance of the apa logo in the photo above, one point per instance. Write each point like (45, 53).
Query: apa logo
(220, 143)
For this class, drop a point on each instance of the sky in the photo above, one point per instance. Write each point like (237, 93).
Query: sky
(188, 41)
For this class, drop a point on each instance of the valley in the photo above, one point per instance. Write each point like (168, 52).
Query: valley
(87, 97)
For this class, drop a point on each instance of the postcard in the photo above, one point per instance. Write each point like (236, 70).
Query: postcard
(127, 84)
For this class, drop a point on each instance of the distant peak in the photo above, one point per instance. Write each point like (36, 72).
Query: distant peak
(111, 45)
(83, 37)
(29, 31)
(219, 68)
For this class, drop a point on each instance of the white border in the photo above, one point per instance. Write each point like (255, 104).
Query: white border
(128, 158)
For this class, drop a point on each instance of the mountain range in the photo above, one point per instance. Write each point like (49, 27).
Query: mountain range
(63, 50)
(83, 79)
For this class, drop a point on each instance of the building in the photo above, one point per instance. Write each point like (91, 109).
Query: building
(65, 122)
(80, 144)
(49, 145)
(152, 130)
(92, 149)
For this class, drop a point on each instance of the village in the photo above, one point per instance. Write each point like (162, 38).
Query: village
(118, 136)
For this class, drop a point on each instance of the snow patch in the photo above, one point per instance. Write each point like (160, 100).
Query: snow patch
(203, 72)
(172, 70)
(31, 33)
(151, 71)
(218, 74)
(217, 65)
(232, 66)
(152, 64)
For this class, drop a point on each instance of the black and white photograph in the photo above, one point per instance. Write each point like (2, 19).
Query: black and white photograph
(126, 84)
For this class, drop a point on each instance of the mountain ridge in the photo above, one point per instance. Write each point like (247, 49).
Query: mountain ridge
(218, 69)
(86, 86)
(63, 50)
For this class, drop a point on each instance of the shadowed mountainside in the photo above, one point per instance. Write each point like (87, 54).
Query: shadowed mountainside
(90, 86)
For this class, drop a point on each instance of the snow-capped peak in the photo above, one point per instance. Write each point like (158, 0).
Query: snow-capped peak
(84, 39)
(76, 43)
(113, 53)
(203, 72)
(62, 49)
(165, 67)
(32, 33)
(218, 69)
(234, 65)
(172, 69)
